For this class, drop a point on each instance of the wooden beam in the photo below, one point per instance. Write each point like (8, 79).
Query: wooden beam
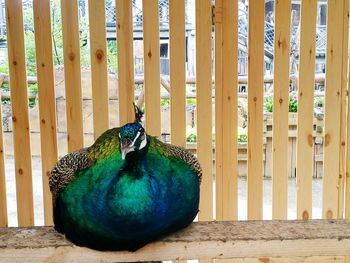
(72, 74)
(152, 66)
(204, 102)
(177, 72)
(255, 108)
(47, 99)
(98, 53)
(305, 109)
(334, 59)
(125, 61)
(280, 110)
(220, 240)
(20, 117)
(226, 52)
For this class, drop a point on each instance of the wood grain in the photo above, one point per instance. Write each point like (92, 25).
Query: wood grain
(98, 53)
(226, 52)
(20, 118)
(230, 239)
(204, 112)
(177, 72)
(255, 108)
(152, 66)
(333, 108)
(47, 99)
(3, 204)
(280, 110)
(72, 74)
(305, 109)
(125, 61)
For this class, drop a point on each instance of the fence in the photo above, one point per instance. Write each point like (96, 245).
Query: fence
(336, 186)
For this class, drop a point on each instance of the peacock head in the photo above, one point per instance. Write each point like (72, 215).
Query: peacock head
(132, 136)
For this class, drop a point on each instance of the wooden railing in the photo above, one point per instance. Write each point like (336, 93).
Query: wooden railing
(336, 188)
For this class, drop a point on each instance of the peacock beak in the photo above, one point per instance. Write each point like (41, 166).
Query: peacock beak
(126, 147)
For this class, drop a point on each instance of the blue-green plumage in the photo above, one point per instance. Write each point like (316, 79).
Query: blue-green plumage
(115, 203)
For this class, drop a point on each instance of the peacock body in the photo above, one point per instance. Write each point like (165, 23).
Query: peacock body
(124, 191)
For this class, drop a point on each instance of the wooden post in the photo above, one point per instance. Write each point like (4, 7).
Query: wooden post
(152, 66)
(204, 102)
(19, 101)
(305, 141)
(125, 61)
(72, 74)
(98, 50)
(226, 52)
(47, 99)
(3, 204)
(334, 59)
(177, 72)
(280, 110)
(255, 108)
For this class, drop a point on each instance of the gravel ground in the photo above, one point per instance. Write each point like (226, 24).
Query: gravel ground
(242, 198)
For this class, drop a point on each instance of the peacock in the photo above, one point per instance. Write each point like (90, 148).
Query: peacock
(125, 190)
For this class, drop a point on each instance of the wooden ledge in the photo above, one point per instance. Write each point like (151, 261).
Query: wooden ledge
(202, 240)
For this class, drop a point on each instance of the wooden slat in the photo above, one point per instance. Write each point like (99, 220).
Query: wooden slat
(47, 101)
(177, 72)
(152, 66)
(125, 61)
(305, 109)
(3, 205)
(226, 51)
(347, 182)
(220, 240)
(332, 108)
(343, 131)
(280, 110)
(98, 49)
(255, 107)
(204, 102)
(72, 74)
(19, 101)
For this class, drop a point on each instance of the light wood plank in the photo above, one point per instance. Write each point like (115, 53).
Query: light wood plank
(3, 204)
(255, 108)
(343, 131)
(72, 74)
(19, 101)
(314, 259)
(332, 108)
(47, 101)
(221, 240)
(125, 61)
(177, 72)
(226, 51)
(280, 110)
(305, 140)
(152, 66)
(204, 102)
(99, 80)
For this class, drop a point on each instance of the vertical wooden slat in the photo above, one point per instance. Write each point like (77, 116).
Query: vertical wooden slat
(343, 131)
(226, 52)
(19, 101)
(125, 61)
(255, 107)
(3, 205)
(177, 72)
(332, 108)
(47, 102)
(305, 140)
(98, 49)
(280, 110)
(204, 102)
(152, 66)
(347, 180)
(72, 74)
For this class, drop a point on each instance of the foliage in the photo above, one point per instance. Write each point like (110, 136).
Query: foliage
(293, 102)
(242, 135)
(319, 102)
